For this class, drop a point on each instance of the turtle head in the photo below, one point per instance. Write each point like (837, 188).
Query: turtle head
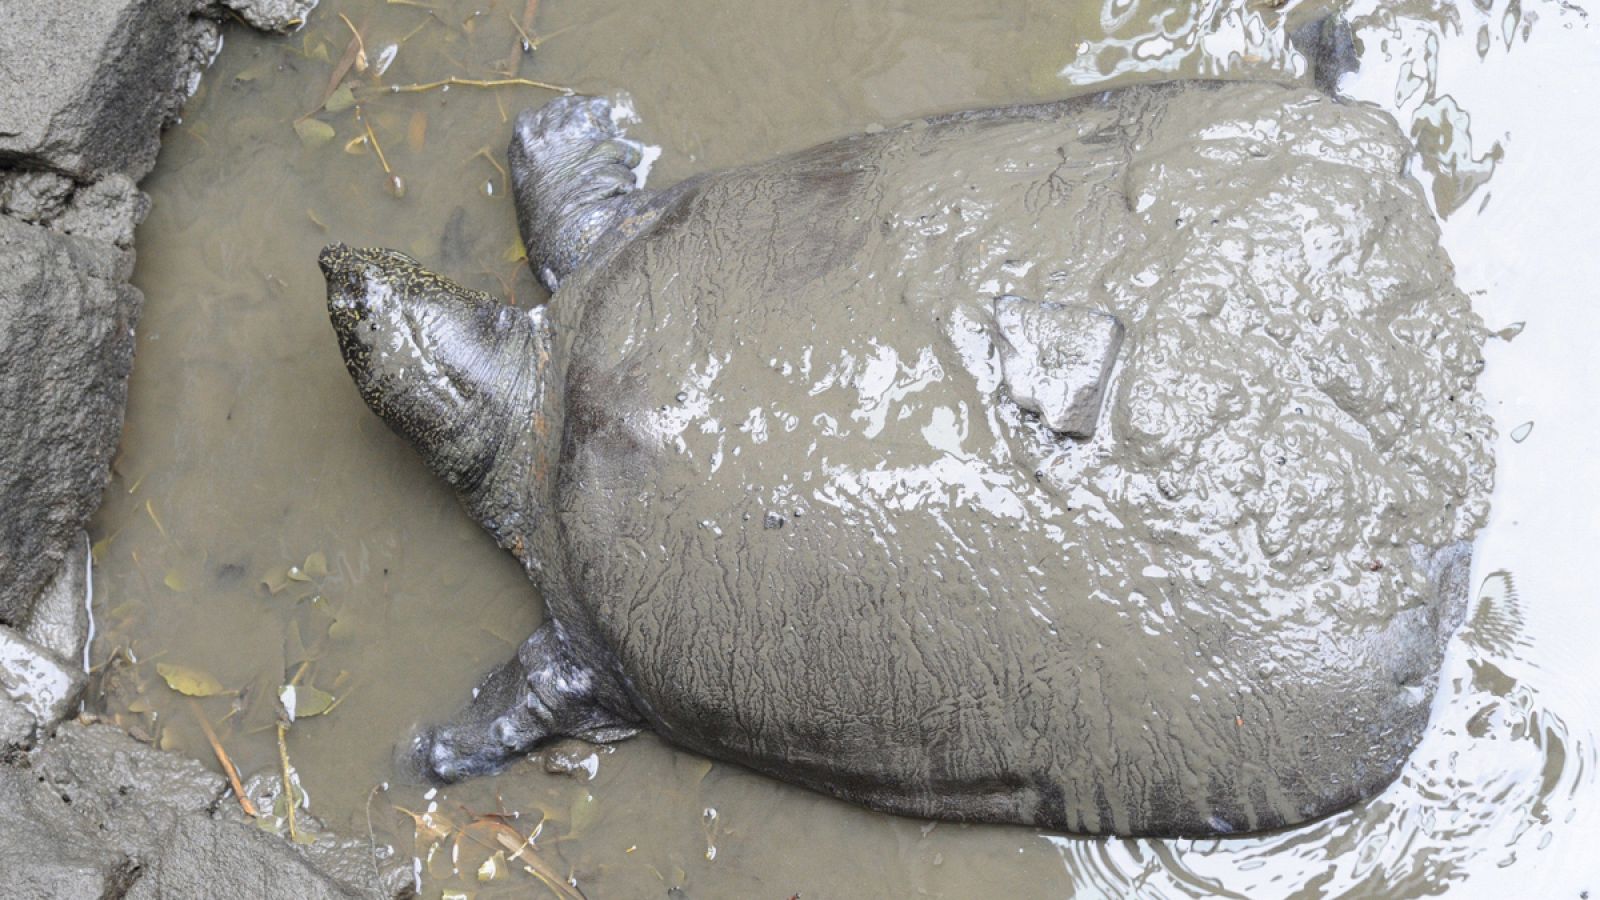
(452, 370)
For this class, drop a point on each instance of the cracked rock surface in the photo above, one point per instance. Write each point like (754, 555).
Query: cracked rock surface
(122, 819)
(85, 88)
(85, 810)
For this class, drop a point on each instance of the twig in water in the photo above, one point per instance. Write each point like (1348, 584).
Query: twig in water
(372, 842)
(152, 511)
(374, 139)
(539, 39)
(453, 81)
(339, 71)
(288, 784)
(222, 757)
(361, 45)
(505, 177)
(527, 42)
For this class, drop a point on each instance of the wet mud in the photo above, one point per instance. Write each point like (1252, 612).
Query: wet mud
(264, 529)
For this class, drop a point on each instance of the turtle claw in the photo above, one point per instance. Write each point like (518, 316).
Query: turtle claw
(539, 695)
(572, 171)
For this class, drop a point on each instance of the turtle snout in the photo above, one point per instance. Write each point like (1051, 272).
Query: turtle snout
(443, 755)
(416, 760)
(347, 293)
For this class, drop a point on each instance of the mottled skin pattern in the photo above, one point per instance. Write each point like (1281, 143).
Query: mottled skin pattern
(770, 484)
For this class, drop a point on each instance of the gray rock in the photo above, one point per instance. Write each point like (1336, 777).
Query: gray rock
(108, 210)
(110, 783)
(60, 620)
(89, 812)
(66, 326)
(1056, 359)
(94, 813)
(17, 725)
(44, 862)
(205, 857)
(34, 196)
(272, 15)
(78, 814)
(37, 689)
(91, 82)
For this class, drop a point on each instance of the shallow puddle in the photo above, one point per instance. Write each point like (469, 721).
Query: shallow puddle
(264, 528)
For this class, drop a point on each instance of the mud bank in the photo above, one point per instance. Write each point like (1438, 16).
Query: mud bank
(86, 87)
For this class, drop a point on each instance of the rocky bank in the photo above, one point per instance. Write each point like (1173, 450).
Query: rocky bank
(86, 86)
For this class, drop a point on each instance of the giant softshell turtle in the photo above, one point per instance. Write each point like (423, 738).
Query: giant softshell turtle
(1107, 465)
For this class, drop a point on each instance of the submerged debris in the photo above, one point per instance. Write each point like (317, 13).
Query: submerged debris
(190, 682)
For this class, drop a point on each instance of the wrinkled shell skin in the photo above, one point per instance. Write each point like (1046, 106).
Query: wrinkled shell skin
(1224, 613)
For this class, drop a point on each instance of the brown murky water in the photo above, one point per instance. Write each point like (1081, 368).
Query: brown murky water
(265, 528)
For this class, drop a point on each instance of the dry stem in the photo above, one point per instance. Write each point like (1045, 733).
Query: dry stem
(288, 783)
(453, 81)
(222, 757)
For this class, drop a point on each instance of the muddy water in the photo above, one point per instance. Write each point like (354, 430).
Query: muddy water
(264, 527)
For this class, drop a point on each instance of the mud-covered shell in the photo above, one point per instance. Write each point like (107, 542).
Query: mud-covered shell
(799, 511)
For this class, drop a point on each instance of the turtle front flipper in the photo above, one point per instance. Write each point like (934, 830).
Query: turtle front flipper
(572, 171)
(541, 694)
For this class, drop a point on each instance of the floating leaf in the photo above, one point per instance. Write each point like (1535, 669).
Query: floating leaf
(341, 99)
(251, 74)
(315, 48)
(296, 573)
(307, 633)
(175, 581)
(698, 769)
(340, 629)
(190, 682)
(313, 132)
(276, 580)
(310, 701)
(316, 565)
(515, 253)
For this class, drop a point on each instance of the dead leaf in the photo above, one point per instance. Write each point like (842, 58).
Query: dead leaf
(304, 701)
(339, 71)
(341, 99)
(431, 826)
(313, 132)
(417, 133)
(533, 865)
(190, 682)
